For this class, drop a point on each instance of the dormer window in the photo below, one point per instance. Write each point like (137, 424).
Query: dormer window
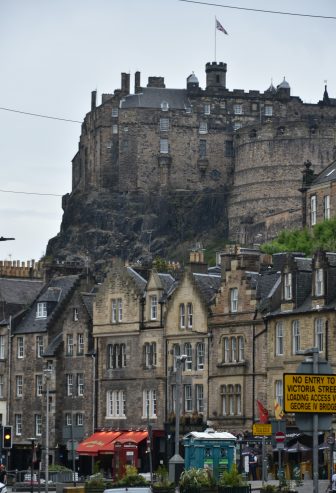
(319, 286)
(41, 310)
(164, 106)
(288, 286)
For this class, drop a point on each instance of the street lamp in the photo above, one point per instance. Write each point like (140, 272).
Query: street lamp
(176, 462)
(47, 376)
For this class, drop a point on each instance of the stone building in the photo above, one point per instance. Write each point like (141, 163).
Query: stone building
(52, 339)
(189, 163)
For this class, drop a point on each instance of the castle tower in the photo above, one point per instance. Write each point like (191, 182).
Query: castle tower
(215, 75)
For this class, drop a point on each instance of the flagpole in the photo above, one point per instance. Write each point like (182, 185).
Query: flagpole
(215, 38)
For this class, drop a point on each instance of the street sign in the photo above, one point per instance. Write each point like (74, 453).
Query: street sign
(261, 429)
(280, 437)
(309, 393)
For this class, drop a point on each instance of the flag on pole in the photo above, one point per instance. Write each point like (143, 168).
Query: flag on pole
(263, 413)
(220, 27)
(278, 411)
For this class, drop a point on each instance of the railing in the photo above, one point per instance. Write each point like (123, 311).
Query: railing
(23, 480)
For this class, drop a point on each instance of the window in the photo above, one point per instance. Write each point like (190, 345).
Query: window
(187, 399)
(268, 110)
(116, 310)
(69, 345)
(254, 106)
(150, 354)
(18, 424)
(326, 207)
(153, 307)
(279, 392)
(115, 112)
(228, 151)
(288, 286)
(200, 356)
(319, 285)
(38, 385)
(68, 419)
(241, 354)
(296, 336)
(182, 316)
(238, 399)
(234, 349)
(203, 128)
(188, 352)
(237, 109)
(164, 124)
(237, 126)
(190, 315)
(279, 339)
(149, 404)
(38, 425)
(164, 146)
(79, 419)
(41, 310)
(116, 404)
(202, 148)
(2, 386)
(2, 347)
(80, 344)
(164, 106)
(231, 400)
(114, 129)
(75, 314)
(20, 347)
(227, 351)
(319, 334)
(234, 299)
(207, 109)
(199, 398)
(224, 399)
(313, 210)
(116, 356)
(176, 353)
(39, 346)
(19, 385)
(80, 384)
(69, 384)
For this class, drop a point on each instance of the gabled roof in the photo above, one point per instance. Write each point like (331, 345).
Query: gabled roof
(326, 175)
(88, 300)
(152, 97)
(208, 284)
(167, 281)
(19, 291)
(138, 279)
(29, 323)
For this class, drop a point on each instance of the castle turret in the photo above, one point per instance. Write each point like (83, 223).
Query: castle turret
(283, 89)
(192, 83)
(215, 75)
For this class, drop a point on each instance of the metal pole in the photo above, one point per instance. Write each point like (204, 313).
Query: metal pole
(47, 439)
(263, 458)
(149, 441)
(32, 467)
(315, 429)
(177, 405)
(331, 464)
(73, 450)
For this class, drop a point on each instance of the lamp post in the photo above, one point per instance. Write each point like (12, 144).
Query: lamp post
(32, 463)
(47, 376)
(176, 462)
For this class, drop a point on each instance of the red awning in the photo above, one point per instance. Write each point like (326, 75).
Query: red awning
(101, 440)
(132, 436)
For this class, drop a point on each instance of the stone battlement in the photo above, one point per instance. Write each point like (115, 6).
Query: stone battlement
(24, 269)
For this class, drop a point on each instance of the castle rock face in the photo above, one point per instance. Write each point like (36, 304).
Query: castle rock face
(161, 168)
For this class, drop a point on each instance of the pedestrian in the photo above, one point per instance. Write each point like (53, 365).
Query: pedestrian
(333, 484)
(3, 474)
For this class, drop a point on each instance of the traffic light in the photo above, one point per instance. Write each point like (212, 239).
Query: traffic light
(6, 437)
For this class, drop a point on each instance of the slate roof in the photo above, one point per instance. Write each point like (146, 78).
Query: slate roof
(52, 294)
(152, 97)
(208, 285)
(52, 347)
(19, 291)
(138, 279)
(167, 281)
(88, 300)
(328, 174)
(29, 323)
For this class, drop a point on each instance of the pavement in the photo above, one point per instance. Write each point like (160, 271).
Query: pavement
(306, 487)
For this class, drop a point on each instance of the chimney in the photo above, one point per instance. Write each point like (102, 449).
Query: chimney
(125, 83)
(196, 262)
(93, 100)
(137, 86)
(156, 82)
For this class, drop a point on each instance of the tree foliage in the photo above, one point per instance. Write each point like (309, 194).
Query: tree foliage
(321, 237)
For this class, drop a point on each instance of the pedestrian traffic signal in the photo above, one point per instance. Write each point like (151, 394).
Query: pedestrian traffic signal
(6, 437)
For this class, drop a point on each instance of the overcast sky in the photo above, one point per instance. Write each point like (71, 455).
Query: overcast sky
(55, 52)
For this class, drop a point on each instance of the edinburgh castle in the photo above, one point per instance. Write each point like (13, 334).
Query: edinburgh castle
(158, 169)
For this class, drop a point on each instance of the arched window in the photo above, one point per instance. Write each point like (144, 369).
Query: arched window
(188, 352)
(190, 315)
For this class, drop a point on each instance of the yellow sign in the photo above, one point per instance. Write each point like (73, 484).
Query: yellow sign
(261, 429)
(309, 393)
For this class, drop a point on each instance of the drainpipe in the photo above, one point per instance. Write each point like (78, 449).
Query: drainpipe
(255, 336)
(9, 367)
